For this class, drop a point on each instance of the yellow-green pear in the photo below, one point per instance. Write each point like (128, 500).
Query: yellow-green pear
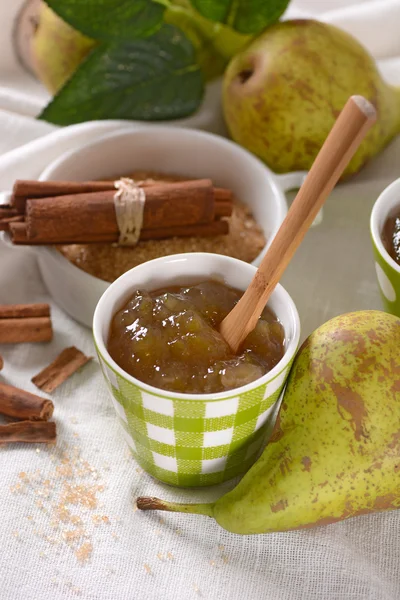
(335, 449)
(56, 49)
(282, 94)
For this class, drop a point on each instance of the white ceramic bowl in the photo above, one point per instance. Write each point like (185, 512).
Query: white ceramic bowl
(187, 152)
(193, 439)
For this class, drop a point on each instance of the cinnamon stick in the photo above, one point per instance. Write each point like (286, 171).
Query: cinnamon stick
(27, 189)
(20, 404)
(1, 363)
(11, 311)
(18, 233)
(40, 189)
(208, 230)
(223, 209)
(5, 222)
(66, 364)
(37, 432)
(24, 189)
(6, 211)
(21, 330)
(20, 237)
(223, 195)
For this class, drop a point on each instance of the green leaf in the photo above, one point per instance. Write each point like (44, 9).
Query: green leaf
(110, 19)
(154, 78)
(245, 16)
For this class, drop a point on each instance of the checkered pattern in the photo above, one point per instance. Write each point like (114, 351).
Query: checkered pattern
(192, 442)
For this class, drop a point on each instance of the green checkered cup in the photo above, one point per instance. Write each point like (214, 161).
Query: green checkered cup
(192, 439)
(387, 269)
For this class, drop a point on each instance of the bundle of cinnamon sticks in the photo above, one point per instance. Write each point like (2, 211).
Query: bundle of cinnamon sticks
(64, 212)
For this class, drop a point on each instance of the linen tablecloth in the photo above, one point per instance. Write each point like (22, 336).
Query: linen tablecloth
(68, 524)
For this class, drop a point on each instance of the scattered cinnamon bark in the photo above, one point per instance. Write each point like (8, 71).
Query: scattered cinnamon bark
(19, 331)
(21, 323)
(37, 432)
(20, 404)
(11, 311)
(66, 364)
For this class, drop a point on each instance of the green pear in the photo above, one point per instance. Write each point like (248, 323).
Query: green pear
(335, 449)
(283, 93)
(56, 49)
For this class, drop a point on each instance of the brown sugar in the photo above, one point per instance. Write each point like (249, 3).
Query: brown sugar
(244, 241)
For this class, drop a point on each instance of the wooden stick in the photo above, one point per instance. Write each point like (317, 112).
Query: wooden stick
(20, 404)
(12, 311)
(31, 432)
(31, 329)
(66, 364)
(353, 123)
(20, 237)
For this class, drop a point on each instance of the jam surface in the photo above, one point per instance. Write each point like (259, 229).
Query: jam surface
(391, 236)
(169, 339)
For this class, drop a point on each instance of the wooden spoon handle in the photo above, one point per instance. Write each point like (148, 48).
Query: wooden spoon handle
(354, 121)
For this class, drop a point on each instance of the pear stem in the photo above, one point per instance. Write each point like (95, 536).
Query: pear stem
(149, 503)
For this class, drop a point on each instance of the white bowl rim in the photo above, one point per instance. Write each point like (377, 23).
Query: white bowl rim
(377, 210)
(290, 351)
(278, 192)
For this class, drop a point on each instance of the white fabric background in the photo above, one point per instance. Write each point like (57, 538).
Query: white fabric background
(357, 560)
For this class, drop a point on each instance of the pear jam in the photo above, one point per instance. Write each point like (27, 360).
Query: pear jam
(391, 236)
(169, 339)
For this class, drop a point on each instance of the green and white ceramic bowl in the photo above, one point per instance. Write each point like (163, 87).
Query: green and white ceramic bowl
(192, 439)
(387, 270)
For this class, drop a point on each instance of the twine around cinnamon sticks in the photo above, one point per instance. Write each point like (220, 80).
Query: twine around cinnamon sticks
(84, 212)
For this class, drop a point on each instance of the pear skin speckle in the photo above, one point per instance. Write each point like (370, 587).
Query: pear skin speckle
(282, 94)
